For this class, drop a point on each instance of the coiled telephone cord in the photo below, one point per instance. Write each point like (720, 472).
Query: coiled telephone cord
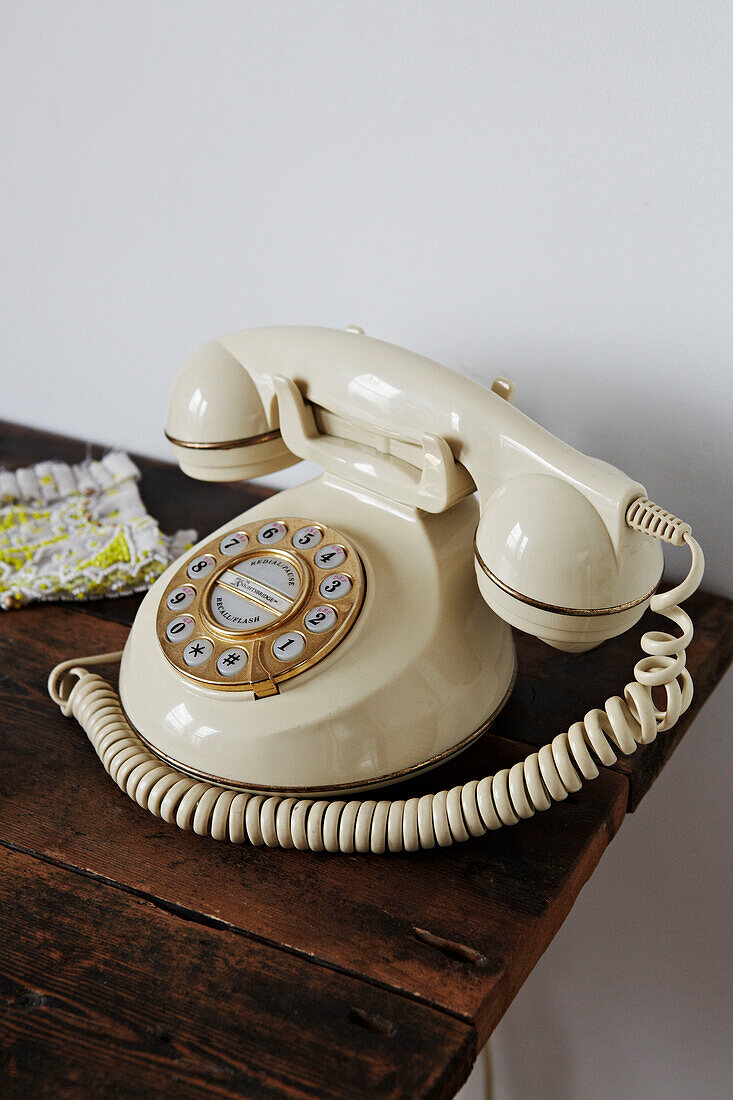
(468, 810)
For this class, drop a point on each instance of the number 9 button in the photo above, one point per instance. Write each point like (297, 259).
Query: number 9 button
(181, 598)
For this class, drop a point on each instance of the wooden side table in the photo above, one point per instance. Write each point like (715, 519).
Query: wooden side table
(139, 960)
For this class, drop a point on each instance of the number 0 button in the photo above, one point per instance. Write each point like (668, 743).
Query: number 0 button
(179, 629)
(320, 619)
(271, 532)
(336, 586)
(197, 651)
(201, 567)
(288, 646)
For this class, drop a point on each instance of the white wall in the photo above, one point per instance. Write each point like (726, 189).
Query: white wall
(538, 190)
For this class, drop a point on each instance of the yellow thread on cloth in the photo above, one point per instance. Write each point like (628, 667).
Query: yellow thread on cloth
(79, 533)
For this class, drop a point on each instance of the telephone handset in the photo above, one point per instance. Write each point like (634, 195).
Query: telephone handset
(331, 641)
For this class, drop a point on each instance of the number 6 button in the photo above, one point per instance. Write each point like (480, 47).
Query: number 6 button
(336, 586)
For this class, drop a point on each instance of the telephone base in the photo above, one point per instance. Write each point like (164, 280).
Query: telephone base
(423, 671)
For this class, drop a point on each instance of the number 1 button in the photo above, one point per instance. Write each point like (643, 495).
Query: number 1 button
(288, 646)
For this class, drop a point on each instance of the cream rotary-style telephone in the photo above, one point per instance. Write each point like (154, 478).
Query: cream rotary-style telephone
(353, 631)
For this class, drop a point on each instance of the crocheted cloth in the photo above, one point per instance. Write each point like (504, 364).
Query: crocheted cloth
(79, 533)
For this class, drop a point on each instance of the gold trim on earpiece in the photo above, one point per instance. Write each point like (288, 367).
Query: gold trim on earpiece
(554, 607)
(225, 444)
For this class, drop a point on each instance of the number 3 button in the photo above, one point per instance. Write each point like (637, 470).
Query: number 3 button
(336, 586)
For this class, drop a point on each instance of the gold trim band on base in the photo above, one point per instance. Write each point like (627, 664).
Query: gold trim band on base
(334, 788)
(555, 608)
(225, 444)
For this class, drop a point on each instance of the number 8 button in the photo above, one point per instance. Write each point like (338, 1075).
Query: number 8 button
(201, 567)
(336, 586)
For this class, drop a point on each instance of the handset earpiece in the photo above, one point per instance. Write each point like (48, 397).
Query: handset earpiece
(217, 423)
(545, 563)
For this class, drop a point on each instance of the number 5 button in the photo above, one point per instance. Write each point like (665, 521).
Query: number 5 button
(336, 586)
(307, 536)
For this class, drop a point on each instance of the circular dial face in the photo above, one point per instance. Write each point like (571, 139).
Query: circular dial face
(260, 604)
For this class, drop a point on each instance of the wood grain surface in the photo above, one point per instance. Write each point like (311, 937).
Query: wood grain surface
(139, 959)
(104, 993)
(502, 896)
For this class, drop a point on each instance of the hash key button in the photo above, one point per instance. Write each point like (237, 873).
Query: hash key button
(231, 661)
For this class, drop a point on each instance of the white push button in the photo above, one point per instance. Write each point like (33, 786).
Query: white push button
(180, 598)
(236, 612)
(320, 620)
(272, 533)
(231, 661)
(179, 629)
(274, 572)
(307, 536)
(197, 652)
(330, 557)
(201, 567)
(336, 586)
(288, 646)
(232, 544)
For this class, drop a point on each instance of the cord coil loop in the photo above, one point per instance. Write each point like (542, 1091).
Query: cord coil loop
(469, 810)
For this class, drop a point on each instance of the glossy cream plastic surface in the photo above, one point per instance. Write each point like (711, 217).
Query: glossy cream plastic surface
(425, 666)
(541, 541)
(401, 396)
(214, 402)
(553, 527)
